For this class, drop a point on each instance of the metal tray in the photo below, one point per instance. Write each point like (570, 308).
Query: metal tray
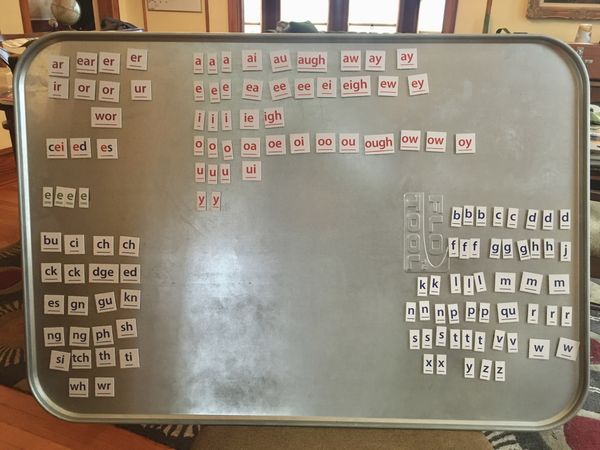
(288, 305)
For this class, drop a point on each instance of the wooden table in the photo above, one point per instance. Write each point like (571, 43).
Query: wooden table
(591, 56)
(6, 95)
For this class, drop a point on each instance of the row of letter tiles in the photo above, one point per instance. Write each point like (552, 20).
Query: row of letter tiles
(251, 171)
(65, 197)
(499, 369)
(74, 244)
(87, 62)
(77, 305)
(281, 89)
(376, 144)
(103, 387)
(252, 60)
(504, 248)
(306, 61)
(105, 357)
(202, 199)
(509, 217)
(250, 147)
(473, 312)
(308, 88)
(461, 339)
(438, 365)
(504, 282)
(52, 272)
(81, 148)
(107, 91)
(304, 89)
(102, 335)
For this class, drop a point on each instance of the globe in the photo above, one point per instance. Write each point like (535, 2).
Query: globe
(66, 12)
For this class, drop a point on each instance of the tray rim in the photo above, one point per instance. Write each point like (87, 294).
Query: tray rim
(329, 38)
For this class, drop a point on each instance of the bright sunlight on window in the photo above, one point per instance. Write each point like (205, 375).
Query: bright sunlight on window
(317, 11)
(373, 16)
(252, 12)
(431, 16)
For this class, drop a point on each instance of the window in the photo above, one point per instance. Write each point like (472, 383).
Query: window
(431, 16)
(252, 13)
(371, 16)
(317, 11)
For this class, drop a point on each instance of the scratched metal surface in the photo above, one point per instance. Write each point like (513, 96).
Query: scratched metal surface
(288, 305)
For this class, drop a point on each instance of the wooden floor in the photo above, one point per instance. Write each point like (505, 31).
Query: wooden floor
(23, 423)
(9, 203)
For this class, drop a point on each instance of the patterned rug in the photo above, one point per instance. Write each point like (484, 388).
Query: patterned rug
(581, 433)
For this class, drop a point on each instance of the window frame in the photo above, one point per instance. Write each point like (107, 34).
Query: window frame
(408, 15)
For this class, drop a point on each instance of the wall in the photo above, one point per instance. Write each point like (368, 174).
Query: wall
(512, 14)
(132, 11)
(184, 22)
(167, 21)
(219, 16)
(10, 17)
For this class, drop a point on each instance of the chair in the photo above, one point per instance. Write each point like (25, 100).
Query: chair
(11, 59)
